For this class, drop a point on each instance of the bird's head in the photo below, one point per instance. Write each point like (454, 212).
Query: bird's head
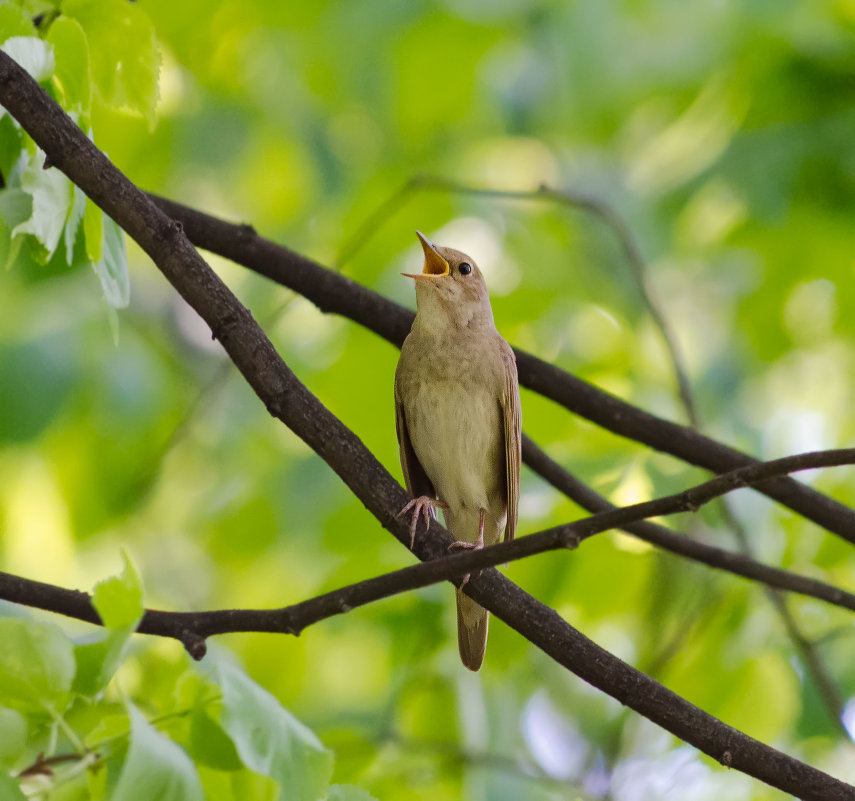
(450, 288)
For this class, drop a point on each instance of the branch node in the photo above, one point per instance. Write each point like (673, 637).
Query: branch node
(726, 758)
(570, 541)
(245, 232)
(48, 162)
(194, 644)
(227, 323)
(690, 504)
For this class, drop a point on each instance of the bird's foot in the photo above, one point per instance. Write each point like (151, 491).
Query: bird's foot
(461, 545)
(423, 505)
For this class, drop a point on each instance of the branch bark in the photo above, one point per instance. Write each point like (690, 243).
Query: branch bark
(286, 398)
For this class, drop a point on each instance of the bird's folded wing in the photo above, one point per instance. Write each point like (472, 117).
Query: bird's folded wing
(414, 474)
(512, 416)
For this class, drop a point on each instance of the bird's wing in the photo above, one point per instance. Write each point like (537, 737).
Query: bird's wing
(414, 474)
(512, 416)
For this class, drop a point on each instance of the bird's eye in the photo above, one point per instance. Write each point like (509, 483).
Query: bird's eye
(465, 268)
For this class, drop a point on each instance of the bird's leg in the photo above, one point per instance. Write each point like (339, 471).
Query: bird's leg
(420, 506)
(460, 545)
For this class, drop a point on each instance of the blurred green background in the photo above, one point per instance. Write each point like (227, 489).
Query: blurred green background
(721, 131)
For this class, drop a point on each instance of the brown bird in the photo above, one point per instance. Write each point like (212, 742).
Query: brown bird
(457, 413)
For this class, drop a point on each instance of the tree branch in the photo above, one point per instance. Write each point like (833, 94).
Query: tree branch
(286, 398)
(192, 628)
(679, 544)
(337, 294)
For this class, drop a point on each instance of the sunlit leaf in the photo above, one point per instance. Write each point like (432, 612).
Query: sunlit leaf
(33, 54)
(93, 229)
(72, 73)
(14, 22)
(125, 59)
(118, 600)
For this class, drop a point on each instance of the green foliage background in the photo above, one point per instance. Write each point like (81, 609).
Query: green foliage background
(721, 131)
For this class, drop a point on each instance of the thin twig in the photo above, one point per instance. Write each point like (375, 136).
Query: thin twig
(43, 766)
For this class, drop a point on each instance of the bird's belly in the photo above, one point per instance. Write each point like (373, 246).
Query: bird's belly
(458, 436)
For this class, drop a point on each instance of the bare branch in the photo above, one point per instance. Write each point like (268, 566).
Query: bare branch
(286, 398)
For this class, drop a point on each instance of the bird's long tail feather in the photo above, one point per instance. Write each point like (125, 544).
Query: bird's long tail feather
(472, 624)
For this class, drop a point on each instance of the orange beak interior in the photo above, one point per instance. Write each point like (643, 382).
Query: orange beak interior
(434, 263)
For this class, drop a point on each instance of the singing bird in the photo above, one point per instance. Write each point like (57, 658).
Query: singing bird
(457, 414)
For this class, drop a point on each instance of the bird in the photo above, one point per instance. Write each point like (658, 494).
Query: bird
(458, 420)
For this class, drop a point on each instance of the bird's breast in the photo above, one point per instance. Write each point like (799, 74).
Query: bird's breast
(457, 433)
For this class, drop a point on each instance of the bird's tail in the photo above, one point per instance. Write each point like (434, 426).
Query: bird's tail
(472, 624)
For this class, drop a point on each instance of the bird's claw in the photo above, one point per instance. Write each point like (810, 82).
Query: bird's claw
(423, 505)
(462, 545)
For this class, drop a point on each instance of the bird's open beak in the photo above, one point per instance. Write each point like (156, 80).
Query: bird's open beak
(435, 265)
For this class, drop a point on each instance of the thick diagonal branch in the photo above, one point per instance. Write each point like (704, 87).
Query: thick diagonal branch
(286, 398)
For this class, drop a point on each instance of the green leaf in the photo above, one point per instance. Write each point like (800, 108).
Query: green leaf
(14, 22)
(10, 790)
(11, 145)
(270, 740)
(156, 768)
(124, 52)
(118, 600)
(74, 222)
(93, 229)
(98, 661)
(36, 666)
(73, 73)
(15, 207)
(13, 736)
(349, 792)
(112, 267)
(33, 54)
(35, 8)
(209, 744)
(52, 199)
